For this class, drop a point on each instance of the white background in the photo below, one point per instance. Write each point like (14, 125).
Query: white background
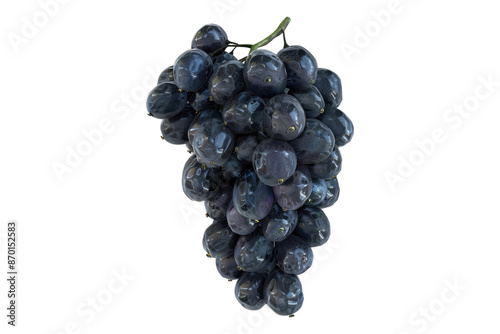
(394, 250)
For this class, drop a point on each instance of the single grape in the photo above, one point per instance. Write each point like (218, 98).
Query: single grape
(254, 253)
(165, 100)
(232, 169)
(167, 75)
(265, 73)
(199, 183)
(294, 192)
(330, 86)
(210, 38)
(332, 195)
(279, 223)
(222, 58)
(311, 100)
(318, 193)
(192, 69)
(213, 143)
(245, 145)
(239, 224)
(301, 67)
(313, 226)
(227, 268)
(315, 144)
(340, 124)
(284, 117)
(327, 168)
(217, 206)
(219, 240)
(201, 100)
(274, 161)
(201, 117)
(243, 113)
(293, 255)
(283, 292)
(249, 290)
(252, 198)
(226, 81)
(174, 129)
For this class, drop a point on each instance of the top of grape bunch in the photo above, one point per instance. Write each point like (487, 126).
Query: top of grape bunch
(264, 92)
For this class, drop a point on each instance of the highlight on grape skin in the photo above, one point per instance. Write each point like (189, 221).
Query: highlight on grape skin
(263, 135)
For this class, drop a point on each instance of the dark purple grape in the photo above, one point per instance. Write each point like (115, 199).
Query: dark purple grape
(315, 144)
(239, 224)
(243, 113)
(313, 226)
(167, 75)
(293, 255)
(294, 192)
(213, 143)
(227, 267)
(311, 100)
(199, 182)
(222, 58)
(249, 290)
(244, 147)
(226, 81)
(201, 100)
(284, 117)
(330, 86)
(327, 168)
(217, 206)
(318, 193)
(201, 117)
(283, 292)
(254, 253)
(166, 100)
(332, 195)
(265, 73)
(252, 198)
(174, 129)
(232, 169)
(210, 38)
(279, 223)
(340, 124)
(274, 161)
(219, 240)
(301, 67)
(192, 69)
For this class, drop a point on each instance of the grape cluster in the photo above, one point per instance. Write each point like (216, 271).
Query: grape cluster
(264, 135)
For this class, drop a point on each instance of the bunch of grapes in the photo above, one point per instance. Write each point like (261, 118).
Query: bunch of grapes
(264, 134)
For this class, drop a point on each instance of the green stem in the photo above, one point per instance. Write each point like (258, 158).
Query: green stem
(281, 28)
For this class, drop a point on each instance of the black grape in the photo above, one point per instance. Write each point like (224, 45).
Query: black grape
(330, 86)
(243, 113)
(274, 161)
(265, 73)
(199, 182)
(340, 124)
(283, 292)
(166, 100)
(219, 240)
(301, 67)
(210, 38)
(284, 117)
(313, 226)
(294, 192)
(249, 290)
(192, 69)
(174, 129)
